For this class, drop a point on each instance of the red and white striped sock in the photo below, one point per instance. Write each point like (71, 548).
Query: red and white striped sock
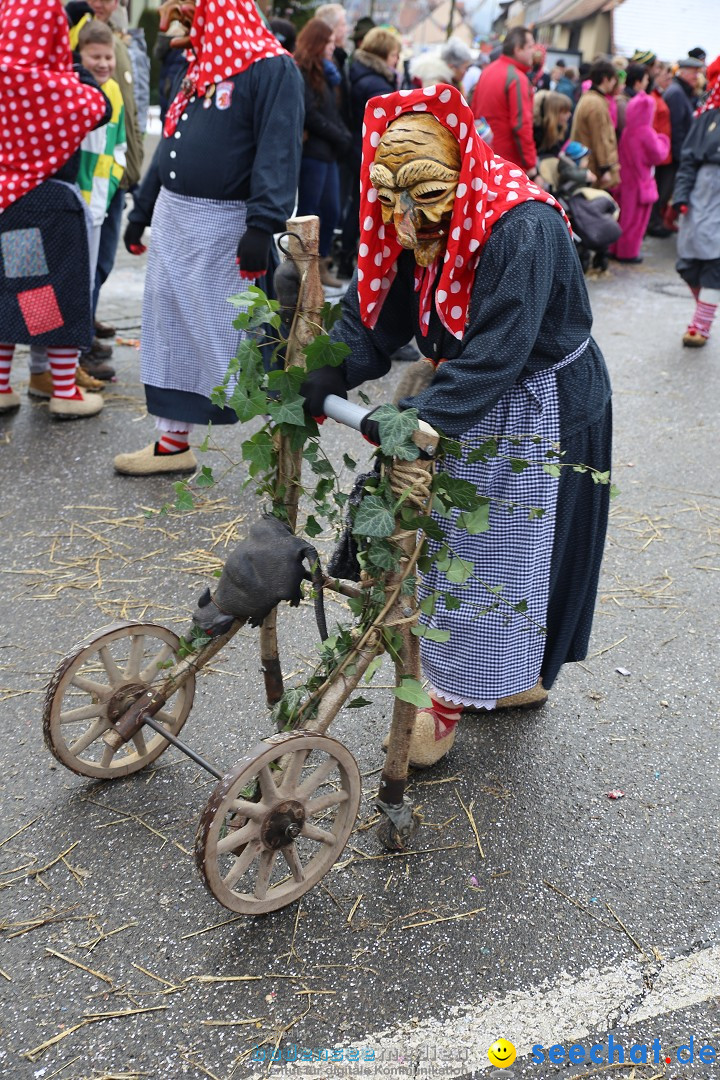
(63, 365)
(6, 358)
(173, 442)
(446, 715)
(705, 311)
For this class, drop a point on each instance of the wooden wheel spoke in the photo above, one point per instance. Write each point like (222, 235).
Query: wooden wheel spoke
(85, 712)
(137, 651)
(241, 864)
(236, 837)
(264, 871)
(113, 672)
(320, 835)
(290, 854)
(150, 671)
(316, 778)
(253, 810)
(268, 788)
(323, 802)
(107, 756)
(293, 769)
(139, 743)
(93, 732)
(99, 690)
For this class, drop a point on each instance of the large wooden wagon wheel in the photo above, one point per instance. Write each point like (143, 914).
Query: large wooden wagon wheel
(96, 683)
(278, 822)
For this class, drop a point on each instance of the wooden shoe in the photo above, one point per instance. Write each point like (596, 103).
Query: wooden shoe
(694, 339)
(76, 408)
(148, 462)
(431, 739)
(534, 698)
(9, 402)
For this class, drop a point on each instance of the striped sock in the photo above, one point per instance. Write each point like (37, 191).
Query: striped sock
(702, 320)
(172, 442)
(6, 358)
(63, 365)
(446, 716)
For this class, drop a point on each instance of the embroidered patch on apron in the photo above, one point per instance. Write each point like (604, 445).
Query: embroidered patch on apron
(223, 97)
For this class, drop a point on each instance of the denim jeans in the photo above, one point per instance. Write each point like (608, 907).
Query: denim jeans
(109, 239)
(319, 193)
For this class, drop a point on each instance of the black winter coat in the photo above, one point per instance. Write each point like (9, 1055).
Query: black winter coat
(369, 76)
(327, 138)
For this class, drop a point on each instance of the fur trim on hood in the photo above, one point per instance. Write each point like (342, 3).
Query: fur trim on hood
(376, 64)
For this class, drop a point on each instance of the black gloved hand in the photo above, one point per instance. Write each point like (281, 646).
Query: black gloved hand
(370, 429)
(317, 386)
(253, 252)
(132, 238)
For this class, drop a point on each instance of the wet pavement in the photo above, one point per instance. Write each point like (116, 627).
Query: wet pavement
(525, 879)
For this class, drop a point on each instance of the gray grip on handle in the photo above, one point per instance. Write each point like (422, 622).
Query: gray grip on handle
(345, 412)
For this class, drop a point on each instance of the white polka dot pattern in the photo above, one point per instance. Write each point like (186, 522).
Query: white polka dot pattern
(488, 188)
(45, 111)
(216, 55)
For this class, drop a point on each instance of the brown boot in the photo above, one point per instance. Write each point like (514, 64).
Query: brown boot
(326, 276)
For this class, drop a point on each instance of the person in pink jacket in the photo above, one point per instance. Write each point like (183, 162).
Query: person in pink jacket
(641, 148)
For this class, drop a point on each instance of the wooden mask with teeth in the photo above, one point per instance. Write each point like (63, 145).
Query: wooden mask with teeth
(416, 173)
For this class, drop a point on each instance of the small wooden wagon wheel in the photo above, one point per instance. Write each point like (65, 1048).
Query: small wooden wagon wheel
(96, 683)
(278, 822)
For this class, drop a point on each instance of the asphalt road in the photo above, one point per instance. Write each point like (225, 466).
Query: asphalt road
(569, 916)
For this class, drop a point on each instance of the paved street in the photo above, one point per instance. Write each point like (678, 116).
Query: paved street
(532, 907)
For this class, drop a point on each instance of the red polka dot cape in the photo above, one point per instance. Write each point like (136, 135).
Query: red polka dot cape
(226, 37)
(45, 111)
(488, 187)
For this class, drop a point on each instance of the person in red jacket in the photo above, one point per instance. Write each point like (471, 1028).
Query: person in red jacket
(503, 96)
(664, 172)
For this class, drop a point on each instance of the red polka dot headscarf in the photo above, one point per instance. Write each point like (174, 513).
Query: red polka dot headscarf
(226, 37)
(45, 111)
(712, 101)
(488, 187)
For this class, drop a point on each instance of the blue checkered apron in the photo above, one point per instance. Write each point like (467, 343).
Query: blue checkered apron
(187, 338)
(493, 650)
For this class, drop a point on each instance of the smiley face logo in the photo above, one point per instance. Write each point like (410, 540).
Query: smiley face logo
(502, 1053)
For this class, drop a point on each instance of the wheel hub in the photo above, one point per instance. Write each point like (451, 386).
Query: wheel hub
(283, 825)
(121, 700)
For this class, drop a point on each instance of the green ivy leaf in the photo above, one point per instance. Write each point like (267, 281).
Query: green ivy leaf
(396, 427)
(484, 452)
(259, 451)
(372, 667)
(454, 492)
(551, 470)
(358, 703)
(427, 604)
(373, 518)
(452, 603)
(478, 520)
(411, 690)
(383, 556)
(287, 412)
(349, 462)
(312, 527)
(518, 465)
(430, 632)
(183, 496)
(459, 571)
(205, 478)
(248, 402)
(322, 352)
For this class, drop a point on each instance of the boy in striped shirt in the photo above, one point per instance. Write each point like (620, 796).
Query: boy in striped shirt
(102, 152)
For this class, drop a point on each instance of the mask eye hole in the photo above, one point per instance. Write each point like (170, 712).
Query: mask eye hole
(430, 194)
(385, 197)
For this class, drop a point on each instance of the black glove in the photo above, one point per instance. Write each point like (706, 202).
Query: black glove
(317, 386)
(253, 252)
(132, 238)
(370, 429)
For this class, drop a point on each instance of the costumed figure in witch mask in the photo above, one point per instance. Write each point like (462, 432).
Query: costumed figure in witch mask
(222, 181)
(460, 250)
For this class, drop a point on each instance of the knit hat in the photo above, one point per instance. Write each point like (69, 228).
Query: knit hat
(643, 56)
(576, 151)
(362, 27)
